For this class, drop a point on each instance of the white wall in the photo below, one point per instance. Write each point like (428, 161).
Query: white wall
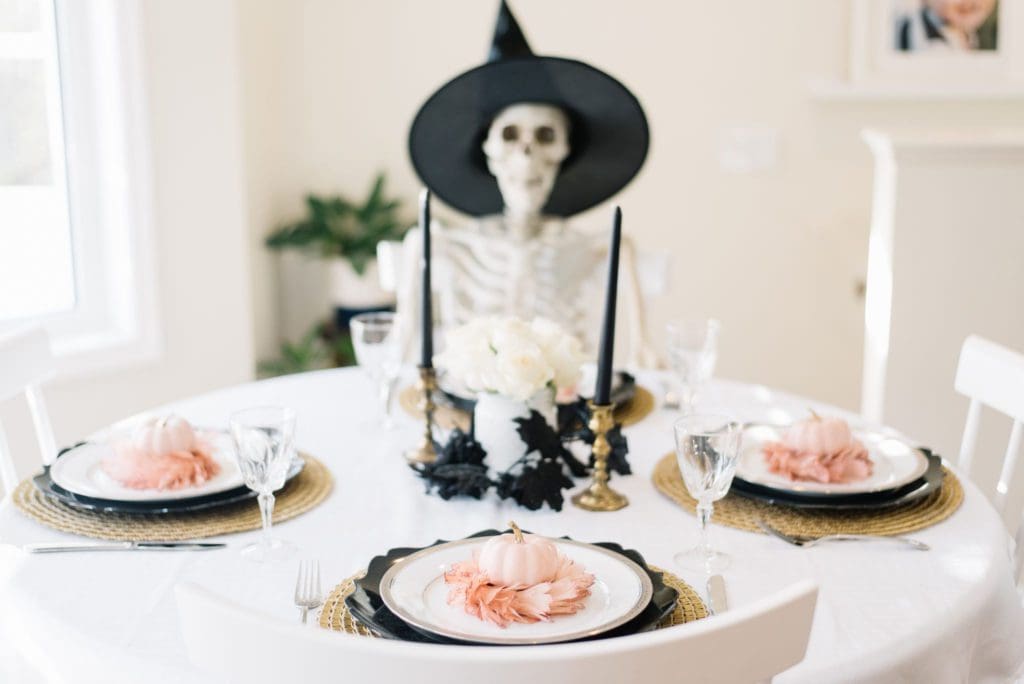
(202, 238)
(256, 102)
(776, 255)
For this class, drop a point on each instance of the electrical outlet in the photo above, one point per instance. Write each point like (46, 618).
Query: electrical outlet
(747, 149)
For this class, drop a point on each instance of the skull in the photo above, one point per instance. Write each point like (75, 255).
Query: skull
(525, 145)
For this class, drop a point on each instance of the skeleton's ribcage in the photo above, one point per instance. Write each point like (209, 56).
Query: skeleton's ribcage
(492, 276)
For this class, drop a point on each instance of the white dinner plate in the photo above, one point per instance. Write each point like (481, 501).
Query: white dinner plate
(78, 470)
(896, 463)
(414, 589)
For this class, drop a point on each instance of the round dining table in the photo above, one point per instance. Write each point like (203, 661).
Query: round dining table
(885, 613)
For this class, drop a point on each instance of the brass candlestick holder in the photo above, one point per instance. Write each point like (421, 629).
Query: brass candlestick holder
(599, 496)
(425, 452)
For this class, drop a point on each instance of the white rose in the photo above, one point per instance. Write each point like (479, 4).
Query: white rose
(510, 333)
(467, 356)
(523, 371)
(547, 333)
(566, 358)
(479, 369)
(511, 357)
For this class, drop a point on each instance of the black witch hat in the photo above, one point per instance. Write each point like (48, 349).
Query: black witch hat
(608, 139)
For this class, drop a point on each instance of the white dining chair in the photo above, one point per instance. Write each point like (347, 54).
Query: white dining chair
(25, 362)
(992, 375)
(749, 644)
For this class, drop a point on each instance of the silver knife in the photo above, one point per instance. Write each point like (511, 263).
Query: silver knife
(62, 547)
(716, 595)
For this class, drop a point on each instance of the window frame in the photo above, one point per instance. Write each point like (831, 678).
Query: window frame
(115, 321)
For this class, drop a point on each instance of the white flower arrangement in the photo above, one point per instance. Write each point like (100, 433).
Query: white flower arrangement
(511, 357)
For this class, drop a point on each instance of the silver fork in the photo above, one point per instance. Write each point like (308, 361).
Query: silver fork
(308, 594)
(814, 541)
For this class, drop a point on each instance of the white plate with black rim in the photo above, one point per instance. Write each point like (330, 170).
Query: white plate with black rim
(895, 464)
(414, 589)
(79, 471)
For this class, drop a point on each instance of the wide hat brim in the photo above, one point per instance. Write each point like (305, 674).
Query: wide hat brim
(608, 140)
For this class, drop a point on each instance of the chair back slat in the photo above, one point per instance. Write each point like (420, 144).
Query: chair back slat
(25, 362)
(25, 359)
(992, 375)
(8, 476)
(41, 421)
(1009, 464)
(970, 439)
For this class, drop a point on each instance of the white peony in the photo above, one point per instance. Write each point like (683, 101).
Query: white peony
(523, 371)
(510, 357)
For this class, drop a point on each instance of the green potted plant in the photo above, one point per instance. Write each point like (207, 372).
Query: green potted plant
(346, 234)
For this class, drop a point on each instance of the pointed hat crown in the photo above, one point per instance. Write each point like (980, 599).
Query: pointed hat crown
(508, 40)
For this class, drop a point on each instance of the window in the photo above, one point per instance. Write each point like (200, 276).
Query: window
(75, 243)
(36, 266)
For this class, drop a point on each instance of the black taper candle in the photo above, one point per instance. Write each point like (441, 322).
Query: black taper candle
(606, 352)
(426, 308)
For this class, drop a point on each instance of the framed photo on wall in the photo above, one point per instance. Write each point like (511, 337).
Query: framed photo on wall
(940, 46)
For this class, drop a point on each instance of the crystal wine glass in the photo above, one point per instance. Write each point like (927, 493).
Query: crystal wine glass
(375, 337)
(706, 447)
(692, 351)
(263, 444)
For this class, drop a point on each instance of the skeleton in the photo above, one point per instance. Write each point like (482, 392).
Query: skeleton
(522, 263)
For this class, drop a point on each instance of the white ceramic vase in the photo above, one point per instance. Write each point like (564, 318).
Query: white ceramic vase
(495, 427)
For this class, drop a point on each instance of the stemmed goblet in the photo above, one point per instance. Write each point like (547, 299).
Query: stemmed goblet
(375, 337)
(706, 447)
(692, 351)
(263, 444)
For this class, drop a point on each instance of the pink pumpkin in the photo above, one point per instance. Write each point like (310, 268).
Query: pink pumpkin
(818, 435)
(518, 560)
(163, 436)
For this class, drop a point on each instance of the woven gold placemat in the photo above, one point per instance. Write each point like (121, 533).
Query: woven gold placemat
(636, 409)
(334, 614)
(307, 490)
(742, 513)
(447, 417)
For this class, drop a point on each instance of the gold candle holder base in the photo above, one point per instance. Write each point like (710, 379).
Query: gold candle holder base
(599, 496)
(425, 452)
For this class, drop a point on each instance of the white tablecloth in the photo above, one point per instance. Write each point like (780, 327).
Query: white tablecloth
(884, 613)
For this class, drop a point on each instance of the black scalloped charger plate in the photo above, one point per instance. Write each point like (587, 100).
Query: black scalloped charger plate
(368, 608)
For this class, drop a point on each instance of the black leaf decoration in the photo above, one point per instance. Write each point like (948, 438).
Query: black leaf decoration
(577, 467)
(505, 485)
(461, 448)
(459, 470)
(539, 484)
(459, 480)
(539, 436)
